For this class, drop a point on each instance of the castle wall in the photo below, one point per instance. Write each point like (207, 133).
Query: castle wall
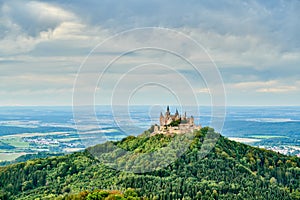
(187, 124)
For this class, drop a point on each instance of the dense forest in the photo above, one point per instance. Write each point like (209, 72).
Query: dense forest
(26, 157)
(230, 170)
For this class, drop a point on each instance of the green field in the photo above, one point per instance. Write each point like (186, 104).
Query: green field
(267, 136)
(10, 156)
(16, 142)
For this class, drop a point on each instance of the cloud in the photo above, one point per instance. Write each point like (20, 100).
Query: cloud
(32, 82)
(27, 24)
(203, 90)
(254, 84)
(273, 22)
(280, 89)
(272, 86)
(255, 44)
(33, 17)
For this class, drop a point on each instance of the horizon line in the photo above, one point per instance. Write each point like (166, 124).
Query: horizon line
(123, 105)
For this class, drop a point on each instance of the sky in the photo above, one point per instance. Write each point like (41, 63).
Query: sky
(248, 52)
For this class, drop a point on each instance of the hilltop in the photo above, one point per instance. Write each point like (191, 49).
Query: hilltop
(230, 171)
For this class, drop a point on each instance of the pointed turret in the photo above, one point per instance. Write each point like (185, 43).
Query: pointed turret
(162, 119)
(191, 121)
(168, 112)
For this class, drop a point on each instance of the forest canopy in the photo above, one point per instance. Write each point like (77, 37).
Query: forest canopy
(230, 171)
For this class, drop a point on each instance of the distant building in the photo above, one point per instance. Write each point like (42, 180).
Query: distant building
(175, 124)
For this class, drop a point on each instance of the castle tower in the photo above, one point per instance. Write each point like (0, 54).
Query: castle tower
(176, 113)
(161, 119)
(184, 117)
(177, 117)
(191, 121)
(168, 112)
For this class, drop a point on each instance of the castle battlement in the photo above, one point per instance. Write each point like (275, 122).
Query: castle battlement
(175, 124)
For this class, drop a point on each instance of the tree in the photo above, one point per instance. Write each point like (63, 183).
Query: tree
(273, 180)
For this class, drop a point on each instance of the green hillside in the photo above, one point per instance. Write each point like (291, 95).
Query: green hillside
(230, 171)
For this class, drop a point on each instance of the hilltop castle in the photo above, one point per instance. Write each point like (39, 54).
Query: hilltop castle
(175, 124)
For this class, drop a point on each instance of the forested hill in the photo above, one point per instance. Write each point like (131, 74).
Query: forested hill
(230, 171)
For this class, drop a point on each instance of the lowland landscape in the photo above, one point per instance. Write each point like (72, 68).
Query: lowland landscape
(231, 170)
(51, 130)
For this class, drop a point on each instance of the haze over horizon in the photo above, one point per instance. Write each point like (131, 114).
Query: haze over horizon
(255, 45)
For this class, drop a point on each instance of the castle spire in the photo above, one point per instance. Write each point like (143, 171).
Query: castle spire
(162, 119)
(184, 117)
(168, 112)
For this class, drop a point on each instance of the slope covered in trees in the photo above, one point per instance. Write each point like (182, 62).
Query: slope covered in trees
(230, 171)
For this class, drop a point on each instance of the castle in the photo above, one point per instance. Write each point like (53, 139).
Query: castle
(175, 124)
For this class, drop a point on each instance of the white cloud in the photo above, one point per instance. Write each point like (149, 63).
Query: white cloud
(254, 84)
(26, 24)
(33, 17)
(203, 90)
(280, 89)
(272, 86)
